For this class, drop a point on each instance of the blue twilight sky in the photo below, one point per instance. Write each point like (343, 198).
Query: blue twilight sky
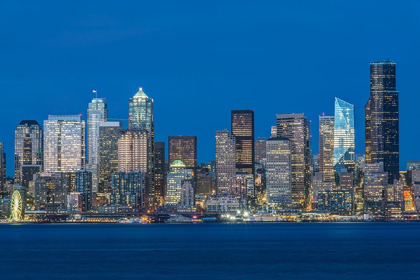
(200, 59)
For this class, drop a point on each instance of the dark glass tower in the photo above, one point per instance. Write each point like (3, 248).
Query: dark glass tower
(160, 174)
(243, 130)
(382, 119)
(183, 148)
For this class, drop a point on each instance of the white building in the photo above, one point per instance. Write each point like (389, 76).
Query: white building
(279, 171)
(222, 204)
(225, 161)
(97, 113)
(177, 174)
(133, 151)
(64, 144)
(187, 201)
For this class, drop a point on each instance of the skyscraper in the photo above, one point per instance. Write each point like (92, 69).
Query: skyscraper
(295, 127)
(243, 130)
(344, 139)
(382, 118)
(28, 146)
(260, 150)
(109, 134)
(183, 148)
(2, 166)
(177, 174)
(279, 171)
(64, 144)
(133, 151)
(97, 113)
(225, 161)
(326, 148)
(141, 119)
(160, 174)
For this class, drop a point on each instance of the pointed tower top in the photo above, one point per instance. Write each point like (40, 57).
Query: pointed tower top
(140, 93)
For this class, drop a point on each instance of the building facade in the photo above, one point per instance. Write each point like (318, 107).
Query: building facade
(382, 118)
(160, 172)
(242, 122)
(344, 136)
(326, 148)
(225, 161)
(133, 151)
(177, 174)
(183, 148)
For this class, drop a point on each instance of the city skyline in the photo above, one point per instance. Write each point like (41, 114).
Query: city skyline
(208, 66)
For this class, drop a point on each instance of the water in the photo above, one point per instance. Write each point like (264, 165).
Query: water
(211, 251)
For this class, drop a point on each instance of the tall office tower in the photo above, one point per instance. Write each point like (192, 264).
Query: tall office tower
(126, 189)
(109, 134)
(84, 187)
(273, 131)
(183, 148)
(97, 113)
(178, 172)
(141, 119)
(279, 171)
(133, 151)
(344, 139)
(2, 166)
(382, 119)
(326, 148)
(160, 172)
(64, 144)
(260, 150)
(225, 161)
(243, 130)
(28, 146)
(295, 127)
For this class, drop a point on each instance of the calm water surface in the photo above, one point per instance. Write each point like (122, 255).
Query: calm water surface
(211, 251)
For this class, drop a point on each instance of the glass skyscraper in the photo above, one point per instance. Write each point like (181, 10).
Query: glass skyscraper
(243, 130)
(382, 119)
(141, 119)
(225, 161)
(97, 113)
(28, 146)
(344, 137)
(64, 144)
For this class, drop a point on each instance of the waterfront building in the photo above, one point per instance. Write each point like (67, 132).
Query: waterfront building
(2, 167)
(279, 171)
(326, 148)
(225, 161)
(50, 193)
(243, 185)
(84, 186)
(126, 189)
(97, 113)
(260, 150)
(64, 144)
(222, 204)
(204, 184)
(178, 172)
(74, 203)
(28, 146)
(133, 151)
(109, 134)
(160, 172)
(375, 184)
(344, 136)
(187, 201)
(335, 201)
(382, 119)
(141, 119)
(183, 148)
(242, 122)
(295, 127)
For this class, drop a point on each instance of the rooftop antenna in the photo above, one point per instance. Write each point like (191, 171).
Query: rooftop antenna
(95, 92)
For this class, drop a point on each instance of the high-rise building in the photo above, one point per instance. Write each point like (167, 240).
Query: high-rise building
(177, 174)
(225, 161)
(295, 127)
(273, 131)
(183, 148)
(64, 144)
(160, 172)
(243, 130)
(84, 187)
(382, 118)
(97, 113)
(133, 151)
(279, 171)
(126, 189)
(141, 119)
(109, 134)
(344, 137)
(2, 166)
(28, 146)
(326, 148)
(260, 150)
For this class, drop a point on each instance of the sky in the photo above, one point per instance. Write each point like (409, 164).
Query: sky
(199, 60)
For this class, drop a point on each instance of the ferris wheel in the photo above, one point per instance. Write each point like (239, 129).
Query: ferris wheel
(16, 207)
